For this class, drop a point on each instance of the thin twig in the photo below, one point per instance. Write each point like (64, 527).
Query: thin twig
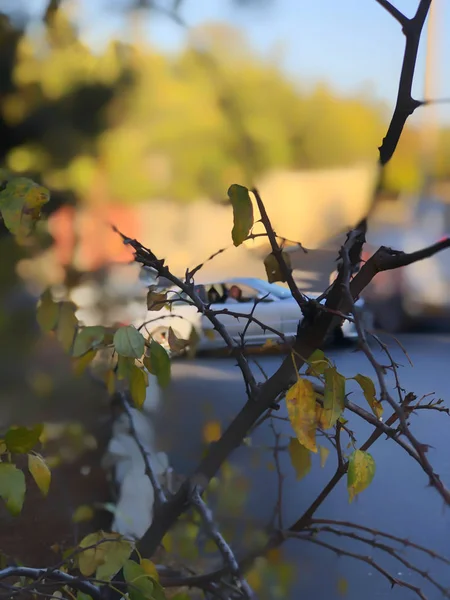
(160, 497)
(222, 545)
(366, 559)
(73, 581)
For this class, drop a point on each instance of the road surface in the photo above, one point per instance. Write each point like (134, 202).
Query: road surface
(398, 500)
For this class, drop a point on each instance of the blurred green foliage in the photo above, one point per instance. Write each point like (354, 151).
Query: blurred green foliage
(127, 123)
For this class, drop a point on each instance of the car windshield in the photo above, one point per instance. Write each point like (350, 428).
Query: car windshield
(271, 288)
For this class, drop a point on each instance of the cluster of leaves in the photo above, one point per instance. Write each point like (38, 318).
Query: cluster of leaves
(132, 356)
(21, 441)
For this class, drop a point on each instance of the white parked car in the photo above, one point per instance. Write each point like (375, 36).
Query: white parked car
(276, 308)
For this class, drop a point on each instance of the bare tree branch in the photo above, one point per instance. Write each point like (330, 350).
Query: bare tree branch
(366, 559)
(77, 583)
(222, 545)
(160, 497)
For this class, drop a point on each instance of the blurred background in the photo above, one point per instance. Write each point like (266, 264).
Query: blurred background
(141, 114)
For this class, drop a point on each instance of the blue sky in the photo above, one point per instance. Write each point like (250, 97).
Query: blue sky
(354, 45)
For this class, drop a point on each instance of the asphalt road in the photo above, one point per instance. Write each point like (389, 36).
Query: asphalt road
(397, 501)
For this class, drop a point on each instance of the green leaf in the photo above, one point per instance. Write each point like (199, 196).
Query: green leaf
(141, 585)
(317, 363)
(368, 388)
(156, 300)
(361, 470)
(300, 458)
(159, 363)
(273, 270)
(138, 386)
(20, 205)
(88, 338)
(12, 487)
(301, 406)
(334, 397)
(83, 596)
(47, 312)
(83, 513)
(67, 325)
(242, 213)
(40, 472)
(117, 552)
(21, 440)
(128, 341)
(124, 367)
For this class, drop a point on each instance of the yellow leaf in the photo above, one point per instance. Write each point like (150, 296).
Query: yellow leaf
(212, 431)
(317, 363)
(300, 458)
(105, 554)
(269, 344)
(83, 513)
(368, 389)
(47, 312)
(210, 334)
(324, 452)
(361, 471)
(334, 397)
(342, 586)
(40, 472)
(20, 205)
(138, 386)
(149, 568)
(301, 406)
(67, 325)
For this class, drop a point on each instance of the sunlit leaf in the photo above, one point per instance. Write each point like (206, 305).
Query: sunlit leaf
(334, 397)
(323, 452)
(138, 386)
(317, 363)
(129, 342)
(301, 406)
(105, 554)
(88, 338)
(158, 363)
(361, 470)
(47, 312)
(194, 340)
(300, 458)
(40, 472)
(12, 487)
(20, 205)
(242, 213)
(212, 431)
(273, 270)
(176, 344)
(156, 300)
(67, 325)
(23, 439)
(83, 513)
(368, 388)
